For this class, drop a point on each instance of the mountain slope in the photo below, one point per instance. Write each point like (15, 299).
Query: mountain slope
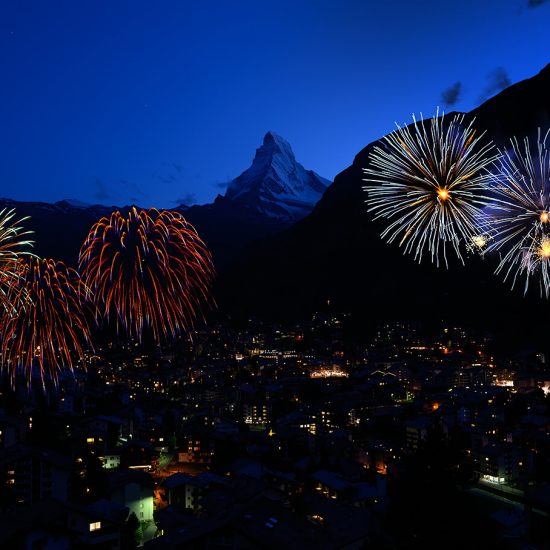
(336, 253)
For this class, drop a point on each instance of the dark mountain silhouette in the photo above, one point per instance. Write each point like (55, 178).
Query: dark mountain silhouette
(59, 228)
(518, 110)
(266, 198)
(336, 254)
(227, 227)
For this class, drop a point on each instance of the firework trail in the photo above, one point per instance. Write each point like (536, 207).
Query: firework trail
(14, 244)
(428, 181)
(521, 221)
(52, 327)
(148, 269)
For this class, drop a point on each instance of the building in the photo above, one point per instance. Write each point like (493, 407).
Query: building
(186, 491)
(133, 489)
(30, 475)
(499, 463)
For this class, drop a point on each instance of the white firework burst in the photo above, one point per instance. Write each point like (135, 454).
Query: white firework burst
(521, 223)
(429, 180)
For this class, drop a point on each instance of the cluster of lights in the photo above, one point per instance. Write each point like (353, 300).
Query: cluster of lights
(328, 372)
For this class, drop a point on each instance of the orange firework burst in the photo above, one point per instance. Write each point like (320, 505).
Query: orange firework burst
(51, 329)
(147, 269)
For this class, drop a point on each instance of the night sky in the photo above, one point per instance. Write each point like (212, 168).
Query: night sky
(160, 102)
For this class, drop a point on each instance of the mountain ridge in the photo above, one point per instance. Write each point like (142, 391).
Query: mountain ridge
(270, 200)
(276, 184)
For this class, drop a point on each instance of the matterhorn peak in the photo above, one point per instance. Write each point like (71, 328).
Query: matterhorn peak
(276, 184)
(274, 143)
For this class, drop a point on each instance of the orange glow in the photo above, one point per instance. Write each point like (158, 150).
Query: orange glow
(147, 269)
(480, 241)
(435, 406)
(53, 326)
(544, 250)
(544, 217)
(443, 193)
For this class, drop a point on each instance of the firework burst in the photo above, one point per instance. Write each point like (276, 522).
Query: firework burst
(148, 269)
(52, 328)
(427, 180)
(479, 243)
(522, 219)
(14, 244)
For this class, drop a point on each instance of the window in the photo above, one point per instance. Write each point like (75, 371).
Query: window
(95, 526)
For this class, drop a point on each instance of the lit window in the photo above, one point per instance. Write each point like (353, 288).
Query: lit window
(95, 526)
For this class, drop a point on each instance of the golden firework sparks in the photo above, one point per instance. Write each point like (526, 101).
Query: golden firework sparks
(147, 269)
(428, 181)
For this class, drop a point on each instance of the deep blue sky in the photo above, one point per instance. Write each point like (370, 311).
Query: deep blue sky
(155, 101)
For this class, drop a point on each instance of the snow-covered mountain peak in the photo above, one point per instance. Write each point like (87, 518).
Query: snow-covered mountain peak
(275, 144)
(276, 184)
